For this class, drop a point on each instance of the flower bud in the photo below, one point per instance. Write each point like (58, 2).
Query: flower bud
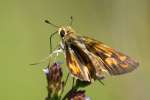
(54, 79)
(78, 95)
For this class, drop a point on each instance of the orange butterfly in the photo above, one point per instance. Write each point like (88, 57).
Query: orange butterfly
(89, 59)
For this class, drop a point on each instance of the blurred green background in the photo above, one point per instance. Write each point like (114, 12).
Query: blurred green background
(24, 39)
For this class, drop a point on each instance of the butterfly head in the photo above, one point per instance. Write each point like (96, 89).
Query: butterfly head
(64, 31)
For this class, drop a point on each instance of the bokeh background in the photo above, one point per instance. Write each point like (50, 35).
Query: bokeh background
(24, 39)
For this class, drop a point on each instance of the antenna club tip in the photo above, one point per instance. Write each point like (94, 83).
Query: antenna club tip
(46, 21)
(71, 17)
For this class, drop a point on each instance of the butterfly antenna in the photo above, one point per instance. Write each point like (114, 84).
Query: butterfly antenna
(50, 38)
(48, 22)
(101, 82)
(71, 21)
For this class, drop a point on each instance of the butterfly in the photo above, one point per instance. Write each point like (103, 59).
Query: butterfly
(89, 59)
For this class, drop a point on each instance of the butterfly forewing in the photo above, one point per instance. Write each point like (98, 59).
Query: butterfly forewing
(76, 63)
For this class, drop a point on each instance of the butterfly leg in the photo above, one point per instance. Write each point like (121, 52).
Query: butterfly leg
(100, 79)
(65, 82)
(73, 82)
(66, 79)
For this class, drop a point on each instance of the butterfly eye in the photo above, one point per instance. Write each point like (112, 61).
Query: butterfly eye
(62, 33)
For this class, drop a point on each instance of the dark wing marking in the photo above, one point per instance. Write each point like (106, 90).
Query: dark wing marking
(114, 62)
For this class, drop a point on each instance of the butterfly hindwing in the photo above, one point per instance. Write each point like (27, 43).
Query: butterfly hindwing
(114, 62)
